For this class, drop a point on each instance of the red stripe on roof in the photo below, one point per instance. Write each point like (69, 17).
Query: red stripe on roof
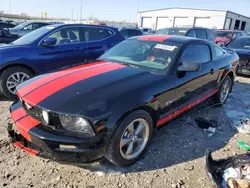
(184, 109)
(18, 114)
(156, 38)
(52, 87)
(28, 150)
(25, 124)
(37, 83)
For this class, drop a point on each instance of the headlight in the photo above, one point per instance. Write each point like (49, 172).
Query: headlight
(45, 116)
(76, 124)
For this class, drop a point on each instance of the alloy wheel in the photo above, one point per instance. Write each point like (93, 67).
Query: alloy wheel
(134, 139)
(224, 91)
(15, 79)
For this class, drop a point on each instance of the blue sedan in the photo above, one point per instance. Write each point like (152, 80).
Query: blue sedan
(51, 48)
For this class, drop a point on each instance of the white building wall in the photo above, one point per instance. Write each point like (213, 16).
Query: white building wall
(235, 17)
(217, 17)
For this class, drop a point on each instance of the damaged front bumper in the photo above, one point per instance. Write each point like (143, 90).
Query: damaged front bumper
(47, 144)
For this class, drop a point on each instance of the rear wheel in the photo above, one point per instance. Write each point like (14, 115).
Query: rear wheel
(11, 77)
(131, 139)
(223, 92)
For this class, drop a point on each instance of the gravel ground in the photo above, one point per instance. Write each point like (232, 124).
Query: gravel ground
(175, 157)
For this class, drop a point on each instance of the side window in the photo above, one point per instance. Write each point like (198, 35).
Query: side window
(210, 35)
(67, 36)
(191, 33)
(42, 24)
(96, 34)
(124, 33)
(218, 52)
(28, 27)
(200, 34)
(134, 32)
(35, 26)
(196, 54)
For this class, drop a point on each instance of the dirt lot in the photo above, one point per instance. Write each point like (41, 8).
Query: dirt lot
(176, 155)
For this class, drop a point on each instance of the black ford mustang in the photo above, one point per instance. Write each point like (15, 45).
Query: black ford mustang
(241, 46)
(111, 107)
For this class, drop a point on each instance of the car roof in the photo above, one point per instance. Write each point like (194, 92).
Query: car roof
(187, 28)
(136, 28)
(169, 38)
(243, 37)
(227, 30)
(79, 25)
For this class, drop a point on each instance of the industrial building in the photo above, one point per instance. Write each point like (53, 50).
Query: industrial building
(170, 17)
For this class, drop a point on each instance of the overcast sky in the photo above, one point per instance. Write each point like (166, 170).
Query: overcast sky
(114, 9)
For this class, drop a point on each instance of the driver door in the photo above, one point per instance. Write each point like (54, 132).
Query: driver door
(191, 88)
(69, 50)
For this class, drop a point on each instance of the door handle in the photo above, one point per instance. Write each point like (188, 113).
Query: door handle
(109, 45)
(211, 71)
(77, 49)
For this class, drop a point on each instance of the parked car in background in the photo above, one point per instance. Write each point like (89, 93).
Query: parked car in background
(195, 32)
(128, 32)
(241, 46)
(27, 27)
(7, 37)
(111, 107)
(145, 29)
(151, 32)
(6, 25)
(50, 48)
(223, 37)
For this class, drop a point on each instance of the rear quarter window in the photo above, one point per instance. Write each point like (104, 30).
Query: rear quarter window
(218, 52)
(201, 34)
(210, 35)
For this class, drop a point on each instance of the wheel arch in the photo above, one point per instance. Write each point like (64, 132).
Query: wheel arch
(122, 111)
(231, 74)
(17, 65)
(153, 113)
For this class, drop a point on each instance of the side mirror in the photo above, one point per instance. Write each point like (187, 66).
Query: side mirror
(49, 42)
(25, 28)
(189, 67)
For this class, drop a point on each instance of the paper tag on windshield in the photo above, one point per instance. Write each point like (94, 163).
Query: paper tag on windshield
(165, 47)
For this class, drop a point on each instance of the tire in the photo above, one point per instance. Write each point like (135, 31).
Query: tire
(219, 99)
(115, 153)
(12, 71)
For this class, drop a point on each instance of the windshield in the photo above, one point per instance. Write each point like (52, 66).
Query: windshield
(172, 31)
(149, 55)
(226, 34)
(20, 26)
(32, 36)
(240, 43)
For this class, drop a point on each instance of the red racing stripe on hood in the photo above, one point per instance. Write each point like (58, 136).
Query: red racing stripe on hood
(25, 124)
(48, 78)
(156, 38)
(52, 87)
(18, 114)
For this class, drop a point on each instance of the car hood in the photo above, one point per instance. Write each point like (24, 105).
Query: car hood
(71, 90)
(222, 39)
(6, 49)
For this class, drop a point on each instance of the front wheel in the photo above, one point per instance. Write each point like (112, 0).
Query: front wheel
(223, 92)
(11, 77)
(131, 139)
